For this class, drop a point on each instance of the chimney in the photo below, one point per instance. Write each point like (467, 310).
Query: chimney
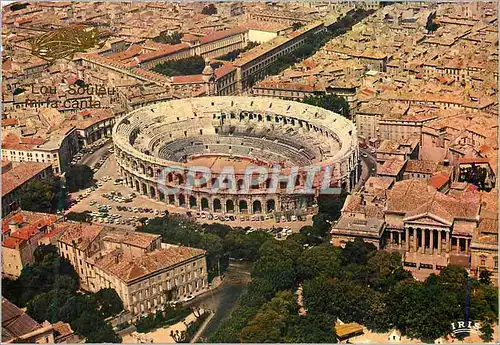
(13, 226)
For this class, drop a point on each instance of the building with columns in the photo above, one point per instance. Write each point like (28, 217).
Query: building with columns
(160, 148)
(429, 228)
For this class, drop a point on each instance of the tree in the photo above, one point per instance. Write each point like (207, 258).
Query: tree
(324, 260)
(209, 10)
(108, 301)
(174, 38)
(78, 177)
(297, 25)
(40, 195)
(330, 102)
(188, 66)
(357, 252)
(486, 332)
(485, 276)
(81, 217)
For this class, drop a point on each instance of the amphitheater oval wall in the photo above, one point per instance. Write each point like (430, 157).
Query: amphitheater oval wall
(163, 147)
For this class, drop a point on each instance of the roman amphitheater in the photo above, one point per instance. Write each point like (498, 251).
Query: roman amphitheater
(217, 132)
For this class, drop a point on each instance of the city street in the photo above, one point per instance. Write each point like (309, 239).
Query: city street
(368, 163)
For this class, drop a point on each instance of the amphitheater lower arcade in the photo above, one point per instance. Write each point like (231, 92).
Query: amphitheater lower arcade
(234, 132)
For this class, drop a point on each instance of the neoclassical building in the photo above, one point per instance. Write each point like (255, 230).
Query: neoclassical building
(164, 150)
(429, 228)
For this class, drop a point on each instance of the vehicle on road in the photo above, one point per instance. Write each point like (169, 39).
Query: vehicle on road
(364, 155)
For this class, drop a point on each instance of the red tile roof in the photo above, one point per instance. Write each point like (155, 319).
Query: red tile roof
(188, 79)
(160, 53)
(223, 70)
(21, 174)
(222, 34)
(439, 180)
(12, 242)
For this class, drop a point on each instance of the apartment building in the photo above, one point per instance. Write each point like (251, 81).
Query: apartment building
(57, 148)
(146, 273)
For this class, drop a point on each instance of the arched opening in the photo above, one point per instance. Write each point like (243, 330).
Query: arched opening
(268, 183)
(255, 181)
(170, 177)
(171, 199)
(257, 206)
(152, 192)
(182, 200)
(180, 179)
(143, 169)
(270, 206)
(137, 187)
(204, 204)
(243, 206)
(158, 172)
(161, 196)
(229, 206)
(150, 171)
(144, 189)
(241, 184)
(297, 181)
(192, 201)
(217, 205)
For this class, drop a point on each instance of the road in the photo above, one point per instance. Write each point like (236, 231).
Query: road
(224, 299)
(91, 159)
(367, 164)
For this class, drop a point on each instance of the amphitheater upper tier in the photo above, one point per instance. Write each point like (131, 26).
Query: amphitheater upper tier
(235, 130)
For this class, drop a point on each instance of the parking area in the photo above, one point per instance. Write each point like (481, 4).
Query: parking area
(115, 204)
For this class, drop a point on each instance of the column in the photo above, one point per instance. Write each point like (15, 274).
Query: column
(458, 245)
(415, 240)
(391, 235)
(466, 245)
(439, 241)
(407, 239)
(422, 245)
(431, 240)
(448, 242)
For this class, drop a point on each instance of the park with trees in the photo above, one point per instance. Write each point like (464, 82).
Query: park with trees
(49, 289)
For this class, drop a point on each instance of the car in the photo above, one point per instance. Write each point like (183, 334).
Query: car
(210, 217)
(232, 218)
(227, 219)
(283, 219)
(266, 217)
(252, 218)
(364, 155)
(216, 217)
(242, 218)
(373, 170)
(294, 218)
(188, 298)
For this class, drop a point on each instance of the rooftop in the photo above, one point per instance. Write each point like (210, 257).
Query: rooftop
(122, 267)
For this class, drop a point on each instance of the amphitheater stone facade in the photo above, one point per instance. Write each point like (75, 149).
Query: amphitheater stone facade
(215, 132)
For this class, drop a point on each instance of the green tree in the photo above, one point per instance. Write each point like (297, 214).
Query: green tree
(357, 252)
(188, 66)
(209, 10)
(297, 25)
(486, 332)
(108, 302)
(485, 276)
(78, 177)
(174, 38)
(81, 217)
(40, 195)
(324, 260)
(330, 102)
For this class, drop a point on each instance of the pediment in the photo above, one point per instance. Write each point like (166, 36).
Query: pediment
(428, 218)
